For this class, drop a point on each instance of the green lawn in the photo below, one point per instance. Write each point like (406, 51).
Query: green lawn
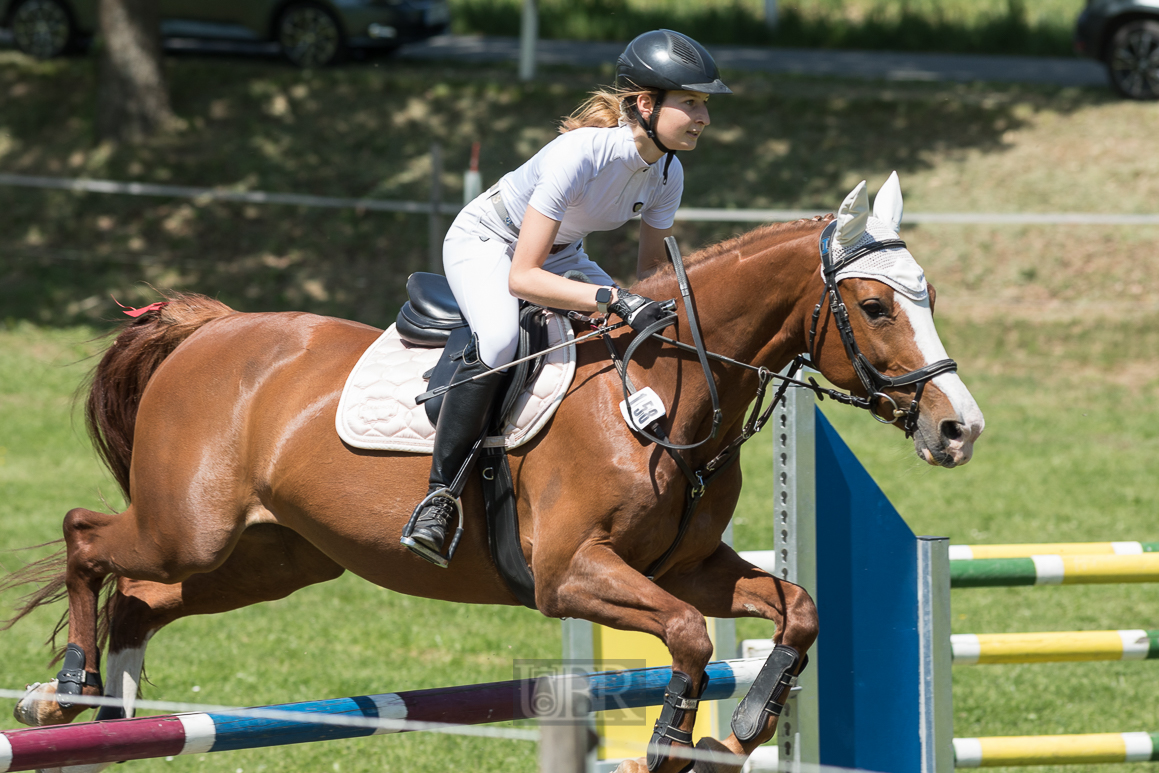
(1054, 328)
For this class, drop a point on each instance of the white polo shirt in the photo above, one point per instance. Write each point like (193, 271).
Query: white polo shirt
(593, 180)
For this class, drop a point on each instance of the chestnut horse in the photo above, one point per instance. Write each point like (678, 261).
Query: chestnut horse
(219, 428)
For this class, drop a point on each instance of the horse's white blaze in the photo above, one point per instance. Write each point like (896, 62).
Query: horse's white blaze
(969, 415)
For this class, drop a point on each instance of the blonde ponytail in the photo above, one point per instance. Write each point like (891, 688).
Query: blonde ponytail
(606, 108)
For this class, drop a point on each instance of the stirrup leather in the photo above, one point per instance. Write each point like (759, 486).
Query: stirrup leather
(436, 558)
(677, 700)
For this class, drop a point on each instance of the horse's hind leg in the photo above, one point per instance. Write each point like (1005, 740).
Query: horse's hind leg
(725, 585)
(267, 562)
(51, 704)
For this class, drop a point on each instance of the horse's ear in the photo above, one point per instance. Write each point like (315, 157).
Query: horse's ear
(853, 216)
(887, 204)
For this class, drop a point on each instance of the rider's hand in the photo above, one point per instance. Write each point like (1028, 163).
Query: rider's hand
(638, 311)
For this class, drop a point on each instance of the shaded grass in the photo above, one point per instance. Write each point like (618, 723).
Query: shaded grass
(367, 130)
(1039, 27)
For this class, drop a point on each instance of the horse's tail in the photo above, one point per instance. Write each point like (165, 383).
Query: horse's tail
(116, 385)
(114, 392)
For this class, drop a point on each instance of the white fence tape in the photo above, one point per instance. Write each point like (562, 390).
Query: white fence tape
(690, 214)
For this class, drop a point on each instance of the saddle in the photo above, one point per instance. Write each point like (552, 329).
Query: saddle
(431, 318)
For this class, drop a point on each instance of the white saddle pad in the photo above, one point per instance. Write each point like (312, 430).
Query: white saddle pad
(378, 412)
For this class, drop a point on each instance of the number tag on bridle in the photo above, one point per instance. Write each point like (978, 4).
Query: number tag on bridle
(642, 409)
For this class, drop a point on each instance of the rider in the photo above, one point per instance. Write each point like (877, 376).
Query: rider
(615, 159)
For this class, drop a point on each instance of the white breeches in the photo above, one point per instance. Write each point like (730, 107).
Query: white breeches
(477, 260)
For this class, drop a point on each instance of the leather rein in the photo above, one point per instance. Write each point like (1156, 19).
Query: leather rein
(872, 380)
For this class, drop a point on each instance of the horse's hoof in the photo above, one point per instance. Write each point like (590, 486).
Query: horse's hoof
(632, 766)
(38, 707)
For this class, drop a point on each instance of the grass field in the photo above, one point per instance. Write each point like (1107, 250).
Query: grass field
(1054, 328)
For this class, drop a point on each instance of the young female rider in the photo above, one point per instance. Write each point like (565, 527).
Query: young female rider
(615, 159)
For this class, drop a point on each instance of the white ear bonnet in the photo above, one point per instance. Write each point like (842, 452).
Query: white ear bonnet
(856, 228)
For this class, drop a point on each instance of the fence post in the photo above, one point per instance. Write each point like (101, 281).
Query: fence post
(936, 655)
(528, 35)
(771, 14)
(562, 705)
(435, 234)
(795, 542)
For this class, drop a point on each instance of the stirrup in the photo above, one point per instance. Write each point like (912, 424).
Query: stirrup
(436, 558)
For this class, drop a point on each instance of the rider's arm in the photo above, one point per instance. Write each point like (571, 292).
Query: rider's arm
(651, 256)
(529, 280)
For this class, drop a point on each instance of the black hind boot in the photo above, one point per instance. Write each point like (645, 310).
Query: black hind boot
(462, 420)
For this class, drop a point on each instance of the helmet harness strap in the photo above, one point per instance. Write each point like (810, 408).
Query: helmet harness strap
(649, 128)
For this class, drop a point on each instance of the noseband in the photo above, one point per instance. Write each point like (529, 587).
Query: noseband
(874, 381)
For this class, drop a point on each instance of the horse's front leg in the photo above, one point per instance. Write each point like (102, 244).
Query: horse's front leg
(725, 585)
(596, 584)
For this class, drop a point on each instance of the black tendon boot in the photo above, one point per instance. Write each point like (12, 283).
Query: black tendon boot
(462, 419)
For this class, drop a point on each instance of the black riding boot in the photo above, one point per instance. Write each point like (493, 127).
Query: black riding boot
(462, 419)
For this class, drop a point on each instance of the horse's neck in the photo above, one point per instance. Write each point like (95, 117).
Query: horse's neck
(750, 303)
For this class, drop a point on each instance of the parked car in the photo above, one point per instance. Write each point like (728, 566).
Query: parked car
(312, 33)
(1124, 34)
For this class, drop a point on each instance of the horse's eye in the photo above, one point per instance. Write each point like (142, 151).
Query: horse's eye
(873, 309)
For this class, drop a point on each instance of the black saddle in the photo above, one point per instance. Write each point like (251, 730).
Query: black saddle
(431, 314)
(431, 318)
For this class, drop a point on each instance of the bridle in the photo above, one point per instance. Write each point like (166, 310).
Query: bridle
(872, 380)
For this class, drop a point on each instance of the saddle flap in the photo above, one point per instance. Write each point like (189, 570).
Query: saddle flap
(444, 370)
(377, 409)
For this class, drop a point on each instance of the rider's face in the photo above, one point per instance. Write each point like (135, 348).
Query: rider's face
(683, 116)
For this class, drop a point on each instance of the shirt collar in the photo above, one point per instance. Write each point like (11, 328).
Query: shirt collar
(629, 152)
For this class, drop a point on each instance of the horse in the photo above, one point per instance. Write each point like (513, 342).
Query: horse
(259, 497)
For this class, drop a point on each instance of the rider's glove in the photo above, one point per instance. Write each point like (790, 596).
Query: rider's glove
(638, 311)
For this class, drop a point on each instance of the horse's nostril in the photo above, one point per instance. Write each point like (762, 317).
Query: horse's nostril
(951, 430)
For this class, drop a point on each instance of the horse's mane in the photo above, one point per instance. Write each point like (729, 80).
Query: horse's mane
(774, 232)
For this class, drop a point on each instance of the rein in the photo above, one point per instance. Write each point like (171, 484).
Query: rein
(872, 379)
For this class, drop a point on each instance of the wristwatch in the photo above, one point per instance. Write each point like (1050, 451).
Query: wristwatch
(603, 298)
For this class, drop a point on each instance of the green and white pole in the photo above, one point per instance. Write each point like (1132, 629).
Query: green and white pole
(1054, 569)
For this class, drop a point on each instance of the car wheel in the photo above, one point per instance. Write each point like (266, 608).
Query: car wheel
(310, 35)
(42, 28)
(1133, 59)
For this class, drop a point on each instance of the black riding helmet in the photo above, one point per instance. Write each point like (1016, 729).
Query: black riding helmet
(668, 61)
